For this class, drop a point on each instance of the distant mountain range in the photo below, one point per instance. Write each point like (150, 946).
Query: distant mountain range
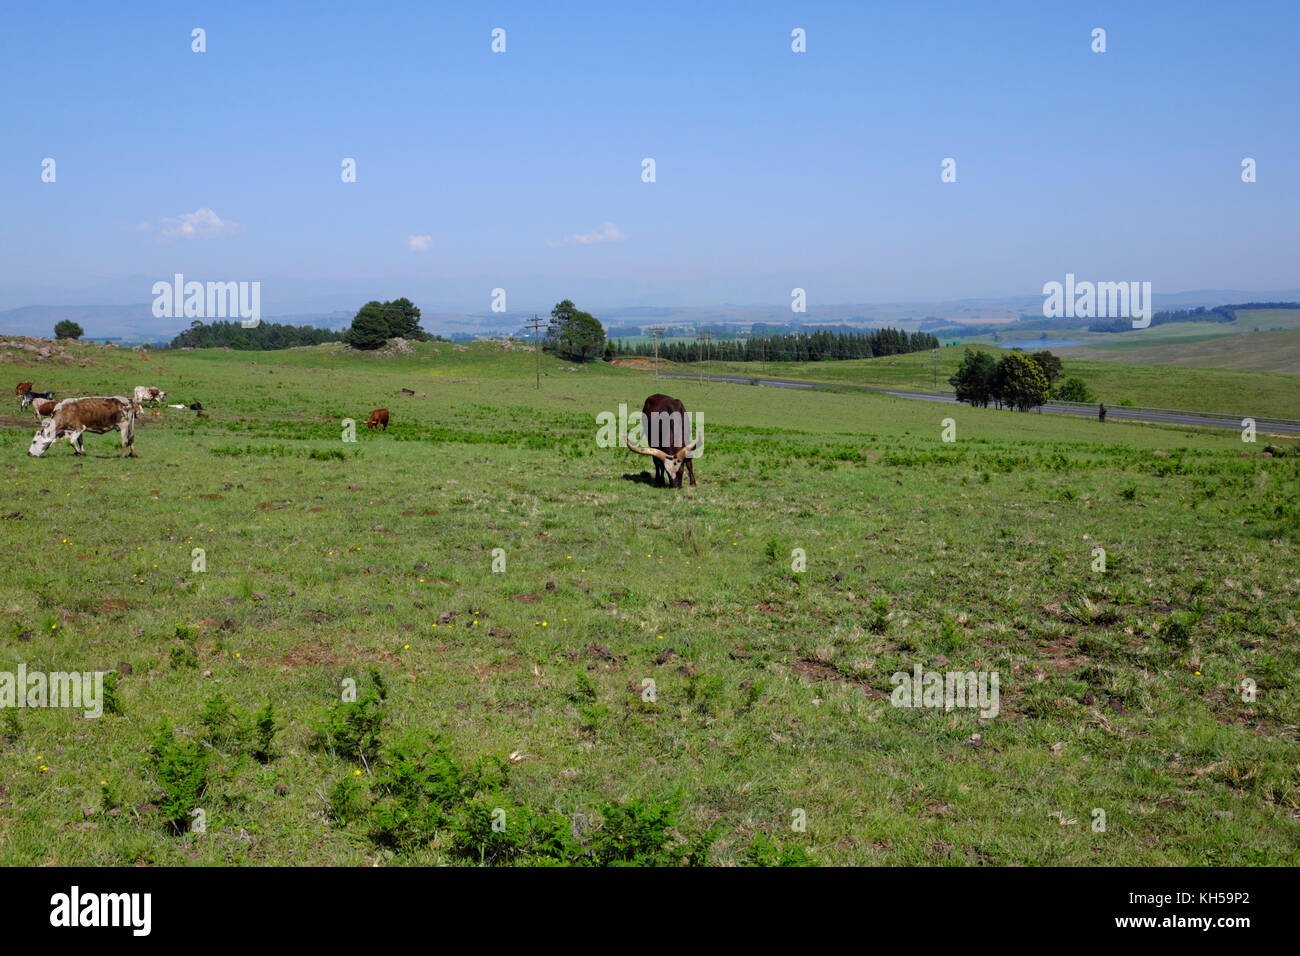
(135, 323)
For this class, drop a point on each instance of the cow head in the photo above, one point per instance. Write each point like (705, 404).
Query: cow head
(43, 439)
(673, 464)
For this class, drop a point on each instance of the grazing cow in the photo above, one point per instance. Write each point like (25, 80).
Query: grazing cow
(30, 397)
(74, 416)
(146, 394)
(23, 387)
(194, 406)
(665, 427)
(378, 417)
(43, 407)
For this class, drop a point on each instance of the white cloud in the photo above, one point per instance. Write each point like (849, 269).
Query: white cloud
(203, 223)
(420, 243)
(605, 232)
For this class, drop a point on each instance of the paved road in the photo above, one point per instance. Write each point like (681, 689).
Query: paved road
(1162, 416)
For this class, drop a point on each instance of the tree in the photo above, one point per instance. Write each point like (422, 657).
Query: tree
(1050, 364)
(67, 329)
(1019, 382)
(574, 334)
(369, 329)
(404, 320)
(377, 322)
(974, 378)
(1074, 390)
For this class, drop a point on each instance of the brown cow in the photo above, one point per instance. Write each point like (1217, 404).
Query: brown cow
(378, 417)
(665, 426)
(23, 387)
(74, 416)
(43, 407)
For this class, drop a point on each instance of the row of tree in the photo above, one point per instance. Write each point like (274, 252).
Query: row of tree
(265, 336)
(1016, 381)
(798, 347)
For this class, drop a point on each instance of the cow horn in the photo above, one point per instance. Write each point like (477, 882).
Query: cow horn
(682, 452)
(647, 451)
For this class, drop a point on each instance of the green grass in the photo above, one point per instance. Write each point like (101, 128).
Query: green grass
(1119, 691)
(1274, 351)
(1253, 393)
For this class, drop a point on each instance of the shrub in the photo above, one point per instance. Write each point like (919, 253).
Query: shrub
(180, 770)
(1073, 390)
(350, 729)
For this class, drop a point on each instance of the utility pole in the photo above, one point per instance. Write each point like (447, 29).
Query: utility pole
(934, 354)
(656, 330)
(537, 348)
(703, 339)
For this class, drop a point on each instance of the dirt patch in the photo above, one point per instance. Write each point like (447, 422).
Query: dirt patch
(815, 671)
(486, 671)
(642, 363)
(1061, 654)
(307, 654)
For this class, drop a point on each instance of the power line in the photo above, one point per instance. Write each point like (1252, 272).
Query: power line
(535, 325)
(656, 331)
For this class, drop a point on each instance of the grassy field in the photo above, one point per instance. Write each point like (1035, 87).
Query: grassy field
(1277, 351)
(1261, 340)
(769, 736)
(1263, 394)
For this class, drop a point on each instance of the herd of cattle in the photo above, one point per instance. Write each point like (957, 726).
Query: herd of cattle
(73, 417)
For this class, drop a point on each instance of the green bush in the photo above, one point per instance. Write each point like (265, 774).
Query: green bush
(350, 729)
(179, 769)
(1073, 390)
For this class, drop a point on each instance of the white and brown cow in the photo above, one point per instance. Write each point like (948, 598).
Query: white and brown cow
(147, 394)
(73, 417)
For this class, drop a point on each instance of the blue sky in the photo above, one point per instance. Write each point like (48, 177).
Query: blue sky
(774, 169)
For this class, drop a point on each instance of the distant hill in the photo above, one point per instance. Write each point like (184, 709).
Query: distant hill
(135, 323)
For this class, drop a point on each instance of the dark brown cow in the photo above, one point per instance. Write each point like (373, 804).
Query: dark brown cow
(23, 387)
(665, 427)
(378, 417)
(74, 416)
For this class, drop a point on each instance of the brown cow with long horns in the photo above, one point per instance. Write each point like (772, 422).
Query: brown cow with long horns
(665, 426)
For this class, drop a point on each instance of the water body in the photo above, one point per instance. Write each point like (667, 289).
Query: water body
(1037, 345)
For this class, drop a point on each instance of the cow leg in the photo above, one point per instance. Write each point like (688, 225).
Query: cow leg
(75, 441)
(659, 473)
(128, 439)
(690, 470)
